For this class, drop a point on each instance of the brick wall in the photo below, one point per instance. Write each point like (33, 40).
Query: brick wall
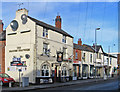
(2, 49)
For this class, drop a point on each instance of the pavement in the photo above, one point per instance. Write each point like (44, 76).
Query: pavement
(45, 86)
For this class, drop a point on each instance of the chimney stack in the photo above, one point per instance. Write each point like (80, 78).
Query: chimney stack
(58, 22)
(79, 42)
(1, 26)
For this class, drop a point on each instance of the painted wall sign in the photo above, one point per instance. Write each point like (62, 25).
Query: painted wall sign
(19, 50)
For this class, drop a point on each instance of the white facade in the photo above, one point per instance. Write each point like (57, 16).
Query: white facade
(28, 39)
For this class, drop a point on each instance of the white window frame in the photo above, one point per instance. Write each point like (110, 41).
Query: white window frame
(64, 69)
(45, 49)
(45, 68)
(64, 52)
(84, 55)
(91, 58)
(64, 39)
(45, 32)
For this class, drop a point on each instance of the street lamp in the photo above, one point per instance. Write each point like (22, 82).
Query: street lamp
(95, 49)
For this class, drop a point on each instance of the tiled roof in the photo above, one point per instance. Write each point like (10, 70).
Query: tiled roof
(89, 48)
(105, 54)
(49, 26)
(82, 48)
(98, 48)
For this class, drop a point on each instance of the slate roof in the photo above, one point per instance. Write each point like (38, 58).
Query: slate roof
(49, 27)
(89, 48)
(3, 35)
(105, 54)
(82, 47)
(98, 48)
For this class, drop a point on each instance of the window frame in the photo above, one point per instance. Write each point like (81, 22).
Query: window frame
(44, 70)
(91, 58)
(76, 55)
(45, 49)
(64, 39)
(84, 55)
(45, 32)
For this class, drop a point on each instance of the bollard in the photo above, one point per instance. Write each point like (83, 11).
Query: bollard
(10, 84)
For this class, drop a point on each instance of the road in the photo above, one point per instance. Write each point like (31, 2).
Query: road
(106, 85)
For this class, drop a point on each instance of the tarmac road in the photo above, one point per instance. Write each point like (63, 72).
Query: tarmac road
(105, 85)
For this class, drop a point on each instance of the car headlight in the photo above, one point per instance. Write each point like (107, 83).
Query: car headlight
(5, 80)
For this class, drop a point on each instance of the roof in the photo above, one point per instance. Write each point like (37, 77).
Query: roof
(82, 47)
(49, 26)
(3, 35)
(89, 48)
(105, 54)
(98, 48)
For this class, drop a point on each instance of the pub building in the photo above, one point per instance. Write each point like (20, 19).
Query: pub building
(42, 52)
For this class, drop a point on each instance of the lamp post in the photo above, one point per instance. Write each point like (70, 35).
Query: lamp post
(95, 49)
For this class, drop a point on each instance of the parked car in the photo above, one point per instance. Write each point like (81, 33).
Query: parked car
(6, 79)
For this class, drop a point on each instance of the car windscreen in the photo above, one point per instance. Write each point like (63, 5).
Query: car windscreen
(4, 75)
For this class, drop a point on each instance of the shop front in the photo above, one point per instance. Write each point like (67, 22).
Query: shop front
(92, 71)
(84, 71)
(76, 70)
(99, 72)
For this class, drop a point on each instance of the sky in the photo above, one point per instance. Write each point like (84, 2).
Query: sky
(79, 19)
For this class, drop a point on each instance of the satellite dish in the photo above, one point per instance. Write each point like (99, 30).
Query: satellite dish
(14, 25)
(24, 18)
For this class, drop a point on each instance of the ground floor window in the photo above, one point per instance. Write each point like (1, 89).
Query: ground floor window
(64, 71)
(84, 70)
(97, 71)
(45, 70)
(76, 69)
(91, 70)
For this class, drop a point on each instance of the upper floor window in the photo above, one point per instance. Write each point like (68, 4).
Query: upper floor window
(76, 55)
(64, 52)
(45, 49)
(99, 55)
(45, 32)
(107, 60)
(110, 60)
(83, 57)
(64, 39)
(90, 57)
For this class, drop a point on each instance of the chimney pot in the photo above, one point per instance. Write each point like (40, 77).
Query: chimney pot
(58, 22)
(79, 41)
(1, 26)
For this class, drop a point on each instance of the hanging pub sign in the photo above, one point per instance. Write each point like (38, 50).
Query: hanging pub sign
(59, 57)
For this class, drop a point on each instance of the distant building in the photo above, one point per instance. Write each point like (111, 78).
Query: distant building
(43, 52)
(2, 47)
(77, 66)
(85, 65)
(83, 61)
